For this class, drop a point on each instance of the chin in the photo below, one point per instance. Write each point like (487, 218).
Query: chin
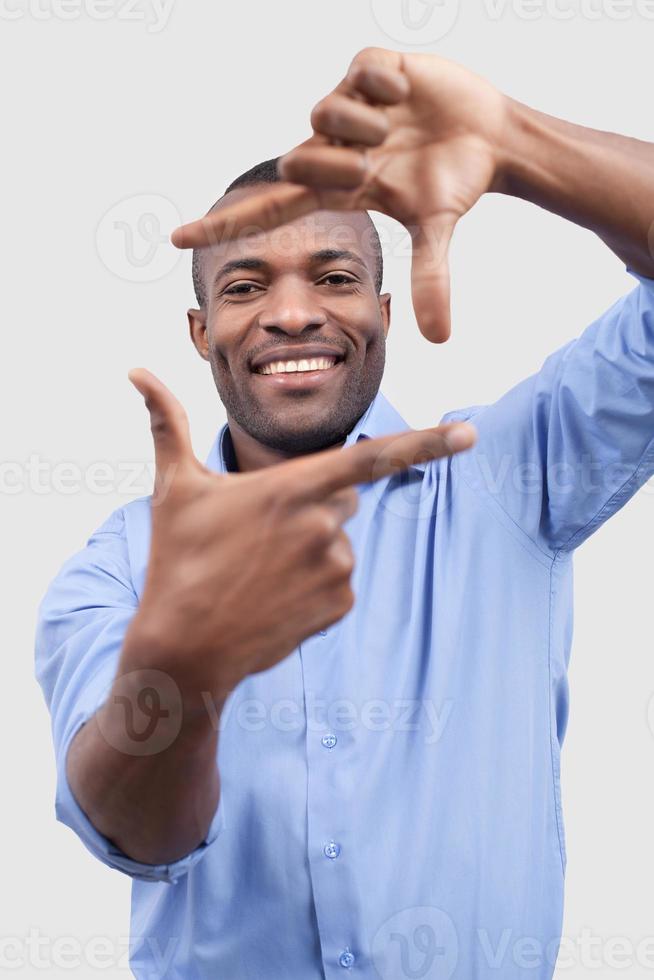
(303, 439)
(302, 425)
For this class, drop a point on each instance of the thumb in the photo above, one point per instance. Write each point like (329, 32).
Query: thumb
(430, 275)
(169, 424)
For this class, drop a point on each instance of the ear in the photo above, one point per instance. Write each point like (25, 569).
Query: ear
(385, 310)
(197, 325)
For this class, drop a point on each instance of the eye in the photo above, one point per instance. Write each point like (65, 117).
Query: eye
(241, 288)
(337, 279)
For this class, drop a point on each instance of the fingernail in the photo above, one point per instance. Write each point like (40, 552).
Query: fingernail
(461, 436)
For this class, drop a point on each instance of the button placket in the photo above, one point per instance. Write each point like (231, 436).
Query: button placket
(332, 874)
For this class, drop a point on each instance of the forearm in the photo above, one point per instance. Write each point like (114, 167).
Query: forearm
(155, 807)
(602, 181)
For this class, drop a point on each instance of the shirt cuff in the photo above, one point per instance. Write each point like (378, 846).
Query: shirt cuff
(69, 812)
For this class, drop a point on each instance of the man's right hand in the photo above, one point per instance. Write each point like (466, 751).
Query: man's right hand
(243, 567)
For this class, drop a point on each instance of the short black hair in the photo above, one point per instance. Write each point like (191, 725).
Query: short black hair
(266, 173)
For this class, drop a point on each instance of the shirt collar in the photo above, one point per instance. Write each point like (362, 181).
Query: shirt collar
(379, 419)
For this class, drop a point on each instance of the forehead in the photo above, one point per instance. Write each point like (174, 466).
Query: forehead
(294, 243)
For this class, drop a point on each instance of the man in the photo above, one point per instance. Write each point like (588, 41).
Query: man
(389, 800)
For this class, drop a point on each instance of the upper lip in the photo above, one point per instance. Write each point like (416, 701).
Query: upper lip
(293, 353)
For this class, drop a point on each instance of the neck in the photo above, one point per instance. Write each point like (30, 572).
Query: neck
(252, 455)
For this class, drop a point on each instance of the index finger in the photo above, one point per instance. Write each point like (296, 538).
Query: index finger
(371, 459)
(261, 212)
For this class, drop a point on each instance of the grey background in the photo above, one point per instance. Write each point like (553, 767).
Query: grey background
(159, 110)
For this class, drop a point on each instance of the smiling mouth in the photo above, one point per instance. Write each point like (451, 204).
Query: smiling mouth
(298, 366)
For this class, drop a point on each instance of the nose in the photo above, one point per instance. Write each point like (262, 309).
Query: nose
(290, 308)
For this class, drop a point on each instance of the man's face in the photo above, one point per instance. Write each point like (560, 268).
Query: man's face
(294, 328)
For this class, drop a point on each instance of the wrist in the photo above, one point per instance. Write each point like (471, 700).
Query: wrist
(510, 150)
(155, 654)
(145, 714)
(535, 157)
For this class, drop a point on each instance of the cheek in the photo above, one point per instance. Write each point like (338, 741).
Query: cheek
(371, 329)
(223, 339)
(361, 320)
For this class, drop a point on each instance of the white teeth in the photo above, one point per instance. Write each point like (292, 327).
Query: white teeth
(287, 367)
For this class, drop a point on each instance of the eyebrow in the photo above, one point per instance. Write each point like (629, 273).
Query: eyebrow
(247, 264)
(332, 254)
(251, 264)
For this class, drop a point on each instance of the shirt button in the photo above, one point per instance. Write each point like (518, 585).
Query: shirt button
(346, 959)
(329, 741)
(323, 632)
(332, 850)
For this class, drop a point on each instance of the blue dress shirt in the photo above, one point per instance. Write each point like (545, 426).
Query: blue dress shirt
(391, 803)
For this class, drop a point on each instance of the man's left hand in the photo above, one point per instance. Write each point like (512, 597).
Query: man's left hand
(421, 139)
(411, 135)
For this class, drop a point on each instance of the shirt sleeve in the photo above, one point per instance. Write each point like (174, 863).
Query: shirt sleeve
(567, 447)
(82, 621)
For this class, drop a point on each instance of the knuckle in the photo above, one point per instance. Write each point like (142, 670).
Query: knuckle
(338, 603)
(323, 526)
(380, 124)
(163, 422)
(346, 503)
(341, 559)
(344, 601)
(316, 117)
(291, 162)
(158, 425)
(352, 499)
(368, 55)
(324, 114)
